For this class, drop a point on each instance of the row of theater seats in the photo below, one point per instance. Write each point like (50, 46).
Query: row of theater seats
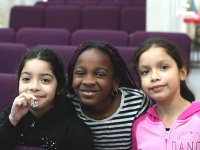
(128, 19)
(118, 3)
(34, 36)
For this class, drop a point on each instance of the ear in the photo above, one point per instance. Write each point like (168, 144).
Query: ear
(115, 83)
(183, 73)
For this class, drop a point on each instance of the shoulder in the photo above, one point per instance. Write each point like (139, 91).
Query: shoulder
(130, 92)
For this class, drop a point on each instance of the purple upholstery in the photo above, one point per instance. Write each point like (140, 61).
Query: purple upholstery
(100, 18)
(141, 3)
(127, 55)
(63, 17)
(133, 19)
(11, 54)
(7, 35)
(65, 52)
(26, 16)
(8, 89)
(114, 37)
(34, 36)
(117, 3)
(82, 3)
(182, 40)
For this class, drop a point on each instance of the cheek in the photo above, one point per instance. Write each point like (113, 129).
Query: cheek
(22, 88)
(144, 83)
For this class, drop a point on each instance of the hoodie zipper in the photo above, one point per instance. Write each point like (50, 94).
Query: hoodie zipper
(166, 138)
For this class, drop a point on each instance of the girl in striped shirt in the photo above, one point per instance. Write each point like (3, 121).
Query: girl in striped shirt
(104, 94)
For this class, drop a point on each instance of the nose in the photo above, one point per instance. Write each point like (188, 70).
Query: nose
(35, 85)
(88, 80)
(155, 76)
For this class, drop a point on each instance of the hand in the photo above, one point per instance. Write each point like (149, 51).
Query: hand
(20, 107)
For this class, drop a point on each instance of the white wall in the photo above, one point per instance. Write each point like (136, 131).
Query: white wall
(5, 6)
(162, 16)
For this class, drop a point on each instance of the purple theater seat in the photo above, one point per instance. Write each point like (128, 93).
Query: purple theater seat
(141, 3)
(117, 3)
(34, 36)
(127, 54)
(114, 37)
(11, 54)
(82, 3)
(26, 16)
(65, 52)
(67, 17)
(182, 40)
(8, 89)
(100, 18)
(7, 35)
(133, 19)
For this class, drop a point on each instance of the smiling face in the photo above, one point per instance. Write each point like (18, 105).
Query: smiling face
(38, 79)
(160, 76)
(93, 79)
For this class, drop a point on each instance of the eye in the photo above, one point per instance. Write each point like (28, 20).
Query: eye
(143, 72)
(25, 79)
(46, 80)
(164, 67)
(100, 74)
(79, 73)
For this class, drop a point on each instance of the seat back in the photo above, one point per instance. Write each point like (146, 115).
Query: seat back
(133, 19)
(10, 56)
(8, 89)
(7, 35)
(127, 54)
(34, 36)
(114, 37)
(65, 52)
(26, 16)
(100, 17)
(67, 17)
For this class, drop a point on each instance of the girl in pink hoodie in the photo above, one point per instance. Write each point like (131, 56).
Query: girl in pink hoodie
(173, 123)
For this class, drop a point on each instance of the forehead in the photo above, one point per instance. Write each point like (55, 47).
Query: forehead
(94, 56)
(37, 65)
(154, 54)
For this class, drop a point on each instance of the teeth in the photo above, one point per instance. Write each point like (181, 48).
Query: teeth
(34, 103)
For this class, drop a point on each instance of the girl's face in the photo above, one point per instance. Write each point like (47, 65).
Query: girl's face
(38, 79)
(93, 78)
(160, 76)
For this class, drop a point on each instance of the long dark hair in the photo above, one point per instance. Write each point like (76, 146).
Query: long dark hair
(120, 69)
(172, 50)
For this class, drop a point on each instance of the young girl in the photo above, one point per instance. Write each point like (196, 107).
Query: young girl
(40, 116)
(108, 100)
(173, 122)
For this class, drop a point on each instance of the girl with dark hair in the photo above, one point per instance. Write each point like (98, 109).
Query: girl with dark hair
(104, 94)
(174, 120)
(40, 115)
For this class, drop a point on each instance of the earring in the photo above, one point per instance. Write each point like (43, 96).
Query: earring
(115, 92)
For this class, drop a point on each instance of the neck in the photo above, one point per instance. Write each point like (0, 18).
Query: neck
(169, 112)
(103, 111)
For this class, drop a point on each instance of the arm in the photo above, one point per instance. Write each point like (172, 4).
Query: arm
(81, 138)
(8, 132)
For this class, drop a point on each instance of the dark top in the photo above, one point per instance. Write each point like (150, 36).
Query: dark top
(58, 129)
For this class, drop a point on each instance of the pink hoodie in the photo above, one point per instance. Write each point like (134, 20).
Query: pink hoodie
(149, 133)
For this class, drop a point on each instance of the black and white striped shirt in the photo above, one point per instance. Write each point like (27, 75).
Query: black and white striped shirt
(114, 132)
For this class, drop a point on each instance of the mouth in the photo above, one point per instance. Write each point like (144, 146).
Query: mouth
(157, 88)
(88, 92)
